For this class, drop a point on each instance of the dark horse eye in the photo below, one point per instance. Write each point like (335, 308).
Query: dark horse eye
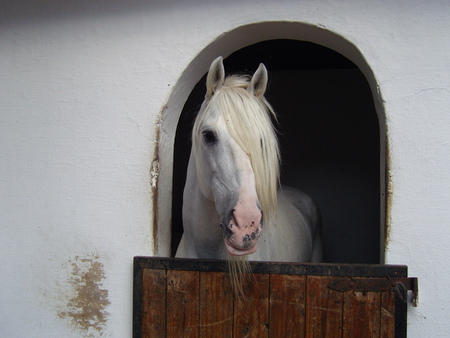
(209, 136)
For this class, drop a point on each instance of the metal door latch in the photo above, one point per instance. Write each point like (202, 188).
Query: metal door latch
(400, 285)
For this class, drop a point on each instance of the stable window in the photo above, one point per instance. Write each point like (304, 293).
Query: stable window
(329, 137)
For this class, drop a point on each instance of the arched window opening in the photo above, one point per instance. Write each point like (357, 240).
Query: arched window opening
(329, 136)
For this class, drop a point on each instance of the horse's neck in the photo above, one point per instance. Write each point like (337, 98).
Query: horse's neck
(201, 222)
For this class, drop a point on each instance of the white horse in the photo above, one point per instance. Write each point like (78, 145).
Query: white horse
(232, 186)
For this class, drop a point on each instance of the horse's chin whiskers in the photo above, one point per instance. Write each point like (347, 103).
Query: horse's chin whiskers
(240, 272)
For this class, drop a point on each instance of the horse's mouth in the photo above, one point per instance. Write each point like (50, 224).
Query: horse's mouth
(235, 251)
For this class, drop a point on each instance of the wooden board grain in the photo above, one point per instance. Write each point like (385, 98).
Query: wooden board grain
(251, 314)
(287, 306)
(154, 303)
(324, 308)
(216, 305)
(183, 289)
(387, 314)
(362, 314)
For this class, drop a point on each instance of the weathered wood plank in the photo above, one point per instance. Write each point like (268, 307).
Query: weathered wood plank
(323, 308)
(154, 303)
(362, 314)
(216, 305)
(287, 306)
(287, 300)
(182, 303)
(311, 269)
(251, 314)
(387, 315)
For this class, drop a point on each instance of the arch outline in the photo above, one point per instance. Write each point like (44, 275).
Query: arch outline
(224, 45)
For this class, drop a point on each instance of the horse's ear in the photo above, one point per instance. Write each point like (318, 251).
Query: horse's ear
(216, 77)
(258, 83)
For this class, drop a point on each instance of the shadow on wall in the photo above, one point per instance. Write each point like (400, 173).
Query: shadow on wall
(329, 136)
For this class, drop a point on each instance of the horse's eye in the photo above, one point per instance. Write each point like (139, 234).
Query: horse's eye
(209, 136)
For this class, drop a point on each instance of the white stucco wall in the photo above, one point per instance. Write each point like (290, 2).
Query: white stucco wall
(82, 86)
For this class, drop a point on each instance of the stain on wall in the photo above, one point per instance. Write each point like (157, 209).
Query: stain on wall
(87, 308)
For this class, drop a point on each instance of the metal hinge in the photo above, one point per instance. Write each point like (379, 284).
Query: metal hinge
(400, 285)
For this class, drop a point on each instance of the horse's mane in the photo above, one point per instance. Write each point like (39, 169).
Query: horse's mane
(249, 122)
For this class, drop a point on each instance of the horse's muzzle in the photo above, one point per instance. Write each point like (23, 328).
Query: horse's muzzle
(232, 250)
(242, 232)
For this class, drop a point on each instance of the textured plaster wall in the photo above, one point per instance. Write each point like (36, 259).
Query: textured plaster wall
(82, 88)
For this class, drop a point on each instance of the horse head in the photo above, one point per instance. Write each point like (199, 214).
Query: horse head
(236, 155)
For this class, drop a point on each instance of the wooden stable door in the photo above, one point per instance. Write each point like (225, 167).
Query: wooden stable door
(194, 298)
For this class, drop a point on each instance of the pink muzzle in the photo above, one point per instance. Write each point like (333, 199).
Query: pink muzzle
(243, 230)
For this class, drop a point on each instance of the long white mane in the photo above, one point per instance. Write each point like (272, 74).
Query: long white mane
(249, 122)
(221, 215)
